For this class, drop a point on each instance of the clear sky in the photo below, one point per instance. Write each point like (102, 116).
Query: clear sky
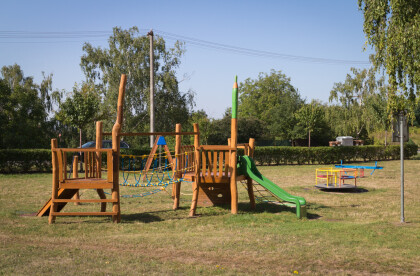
(326, 29)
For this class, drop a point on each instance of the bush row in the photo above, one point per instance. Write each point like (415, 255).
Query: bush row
(329, 155)
(39, 160)
(26, 160)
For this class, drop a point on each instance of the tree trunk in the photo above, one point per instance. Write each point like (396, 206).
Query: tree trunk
(386, 134)
(80, 137)
(309, 139)
(80, 145)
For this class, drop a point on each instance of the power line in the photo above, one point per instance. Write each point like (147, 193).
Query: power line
(83, 35)
(259, 53)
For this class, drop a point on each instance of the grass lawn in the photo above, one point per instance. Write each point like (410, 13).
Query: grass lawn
(344, 234)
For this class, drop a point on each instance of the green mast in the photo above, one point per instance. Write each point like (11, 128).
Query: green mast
(235, 98)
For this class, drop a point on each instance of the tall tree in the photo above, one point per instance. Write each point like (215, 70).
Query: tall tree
(392, 27)
(128, 53)
(312, 118)
(358, 97)
(81, 108)
(204, 123)
(272, 99)
(23, 109)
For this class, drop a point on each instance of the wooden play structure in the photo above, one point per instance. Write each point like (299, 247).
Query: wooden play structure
(212, 169)
(64, 187)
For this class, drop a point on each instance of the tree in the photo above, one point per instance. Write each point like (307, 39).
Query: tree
(23, 110)
(81, 108)
(204, 125)
(392, 27)
(311, 117)
(359, 98)
(247, 128)
(128, 53)
(271, 99)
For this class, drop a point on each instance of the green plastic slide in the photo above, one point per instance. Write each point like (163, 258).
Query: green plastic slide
(247, 167)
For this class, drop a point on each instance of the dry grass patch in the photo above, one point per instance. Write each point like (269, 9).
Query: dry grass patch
(345, 233)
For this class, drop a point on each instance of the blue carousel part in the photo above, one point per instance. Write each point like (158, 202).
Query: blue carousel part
(376, 167)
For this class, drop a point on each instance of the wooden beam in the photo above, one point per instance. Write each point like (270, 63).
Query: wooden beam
(150, 133)
(85, 200)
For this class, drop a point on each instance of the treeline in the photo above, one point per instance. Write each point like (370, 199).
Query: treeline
(270, 107)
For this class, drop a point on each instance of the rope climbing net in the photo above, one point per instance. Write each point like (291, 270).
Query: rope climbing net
(263, 195)
(153, 171)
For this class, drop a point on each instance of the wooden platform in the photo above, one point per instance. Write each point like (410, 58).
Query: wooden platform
(86, 183)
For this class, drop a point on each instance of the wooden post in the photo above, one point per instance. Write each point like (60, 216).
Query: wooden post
(54, 194)
(116, 130)
(176, 187)
(76, 175)
(251, 147)
(98, 146)
(248, 179)
(232, 166)
(233, 151)
(196, 183)
(98, 159)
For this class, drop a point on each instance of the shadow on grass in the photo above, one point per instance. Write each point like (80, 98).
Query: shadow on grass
(142, 217)
(264, 207)
(356, 190)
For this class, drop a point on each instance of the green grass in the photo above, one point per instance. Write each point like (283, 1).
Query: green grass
(344, 234)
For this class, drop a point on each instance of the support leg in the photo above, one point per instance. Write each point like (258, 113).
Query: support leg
(102, 195)
(250, 192)
(194, 199)
(176, 193)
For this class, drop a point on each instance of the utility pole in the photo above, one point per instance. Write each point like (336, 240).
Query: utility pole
(152, 92)
(401, 121)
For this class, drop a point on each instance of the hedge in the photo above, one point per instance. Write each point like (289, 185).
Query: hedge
(38, 160)
(329, 155)
(25, 160)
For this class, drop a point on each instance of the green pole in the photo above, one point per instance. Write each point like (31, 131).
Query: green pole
(235, 98)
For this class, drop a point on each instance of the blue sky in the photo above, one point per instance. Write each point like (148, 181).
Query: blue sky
(318, 29)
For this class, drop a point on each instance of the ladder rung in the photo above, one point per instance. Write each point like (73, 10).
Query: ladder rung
(84, 213)
(85, 200)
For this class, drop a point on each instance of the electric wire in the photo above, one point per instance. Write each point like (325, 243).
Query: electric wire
(58, 37)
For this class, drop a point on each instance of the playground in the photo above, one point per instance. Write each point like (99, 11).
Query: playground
(205, 209)
(344, 233)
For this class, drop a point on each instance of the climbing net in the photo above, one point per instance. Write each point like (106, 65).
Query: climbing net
(157, 171)
(263, 195)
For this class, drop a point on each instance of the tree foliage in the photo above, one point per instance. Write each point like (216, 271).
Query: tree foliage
(80, 108)
(128, 53)
(23, 109)
(360, 104)
(311, 117)
(392, 27)
(273, 100)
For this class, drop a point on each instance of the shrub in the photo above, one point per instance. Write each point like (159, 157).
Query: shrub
(329, 155)
(38, 160)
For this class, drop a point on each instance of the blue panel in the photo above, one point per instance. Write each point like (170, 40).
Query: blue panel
(161, 141)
